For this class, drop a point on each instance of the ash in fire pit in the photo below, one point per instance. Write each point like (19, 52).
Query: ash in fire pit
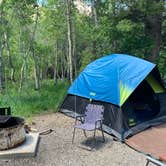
(12, 132)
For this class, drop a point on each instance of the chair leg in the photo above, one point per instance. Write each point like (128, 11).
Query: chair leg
(94, 137)
(73, 135)
(84, 133)
(147, 163)
(102, 133)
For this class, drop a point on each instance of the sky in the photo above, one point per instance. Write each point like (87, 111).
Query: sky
(41, 2)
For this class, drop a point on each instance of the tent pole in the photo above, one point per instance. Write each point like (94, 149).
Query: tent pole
(122, 132)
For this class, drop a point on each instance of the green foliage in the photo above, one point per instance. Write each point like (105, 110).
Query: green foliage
(162, 64)
(133, 41)
(126, 26)
(29, 102)
(86, 59)
(121, 29)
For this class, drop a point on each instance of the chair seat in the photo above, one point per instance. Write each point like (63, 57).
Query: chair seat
(86, 126)
(92, 120)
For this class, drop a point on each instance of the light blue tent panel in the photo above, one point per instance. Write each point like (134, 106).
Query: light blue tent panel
(111, 78)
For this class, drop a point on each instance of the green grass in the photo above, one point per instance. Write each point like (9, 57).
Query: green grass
(29, 102)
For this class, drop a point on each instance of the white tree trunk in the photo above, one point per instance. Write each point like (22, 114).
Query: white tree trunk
(68, 17)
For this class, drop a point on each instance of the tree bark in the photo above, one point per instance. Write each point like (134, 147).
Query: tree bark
(69, 23)
(1, 66)
(24, 58)
(55, 62)
(96, 23)
(9, 57)
(62, 59)
(74, 50)
(94, 12)
(23, 74)
(36, 75)
(153, 31)
(36, 65)
(1, 51)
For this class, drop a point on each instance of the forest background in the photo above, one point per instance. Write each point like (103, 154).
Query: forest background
(45, 44)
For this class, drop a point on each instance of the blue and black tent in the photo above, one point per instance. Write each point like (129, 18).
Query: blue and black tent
(129, 88)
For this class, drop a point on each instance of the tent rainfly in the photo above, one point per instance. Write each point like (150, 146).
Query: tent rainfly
(129, 88)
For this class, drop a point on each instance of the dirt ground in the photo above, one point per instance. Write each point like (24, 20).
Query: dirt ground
(56, 149)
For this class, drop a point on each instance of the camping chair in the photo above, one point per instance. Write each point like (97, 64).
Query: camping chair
(161, 162)
(91, 121)
(5, 111)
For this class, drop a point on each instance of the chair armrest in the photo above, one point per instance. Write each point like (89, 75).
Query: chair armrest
(79, 117)
(98, 121)
(101, 119)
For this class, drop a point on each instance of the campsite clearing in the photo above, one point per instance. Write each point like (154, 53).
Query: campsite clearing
(56, 148)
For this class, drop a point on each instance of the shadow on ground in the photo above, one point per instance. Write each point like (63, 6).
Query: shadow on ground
(90, 144)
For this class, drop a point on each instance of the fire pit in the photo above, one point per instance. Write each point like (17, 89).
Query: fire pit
(12, 132)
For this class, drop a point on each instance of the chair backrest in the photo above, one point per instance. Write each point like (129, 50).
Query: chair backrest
(93, 112)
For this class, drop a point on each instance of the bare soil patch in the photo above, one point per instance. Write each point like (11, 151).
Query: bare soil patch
(56, 149)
